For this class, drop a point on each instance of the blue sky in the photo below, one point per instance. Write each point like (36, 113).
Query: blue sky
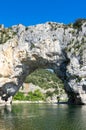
(30, 12)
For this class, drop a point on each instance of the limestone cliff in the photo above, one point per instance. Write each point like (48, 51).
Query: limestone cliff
(50, 45)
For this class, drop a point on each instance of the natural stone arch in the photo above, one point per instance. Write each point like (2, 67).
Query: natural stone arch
(50, 45)
(22, 59)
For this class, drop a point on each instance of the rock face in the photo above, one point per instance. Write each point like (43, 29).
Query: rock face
(50, 45)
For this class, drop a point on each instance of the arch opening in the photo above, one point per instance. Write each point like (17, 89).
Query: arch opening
(42, 85)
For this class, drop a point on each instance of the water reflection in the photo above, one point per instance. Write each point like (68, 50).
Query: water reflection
(42, 117)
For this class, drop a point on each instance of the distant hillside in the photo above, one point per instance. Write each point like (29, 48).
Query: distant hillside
(45, 79)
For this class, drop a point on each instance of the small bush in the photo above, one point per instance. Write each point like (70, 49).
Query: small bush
(26, 28)
(78, 23)
(35, 96)
(6, 34)
(19, 96)
(49, 94)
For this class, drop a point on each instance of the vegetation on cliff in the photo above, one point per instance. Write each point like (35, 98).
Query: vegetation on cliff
(45, 79)
(6, 34)
(32, 96)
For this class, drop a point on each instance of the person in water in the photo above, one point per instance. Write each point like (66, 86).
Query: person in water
(58, 99)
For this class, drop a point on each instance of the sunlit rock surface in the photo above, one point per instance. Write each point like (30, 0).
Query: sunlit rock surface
(50, 45)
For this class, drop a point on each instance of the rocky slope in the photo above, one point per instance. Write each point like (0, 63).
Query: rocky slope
(50, 45)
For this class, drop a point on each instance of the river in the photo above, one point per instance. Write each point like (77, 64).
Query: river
(43, 117)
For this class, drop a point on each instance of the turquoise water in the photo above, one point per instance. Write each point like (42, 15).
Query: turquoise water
(43, 117)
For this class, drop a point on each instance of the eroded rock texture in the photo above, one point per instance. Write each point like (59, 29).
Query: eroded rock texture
(50, 45)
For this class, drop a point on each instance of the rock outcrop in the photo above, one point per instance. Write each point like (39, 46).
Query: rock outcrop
(50, 45)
